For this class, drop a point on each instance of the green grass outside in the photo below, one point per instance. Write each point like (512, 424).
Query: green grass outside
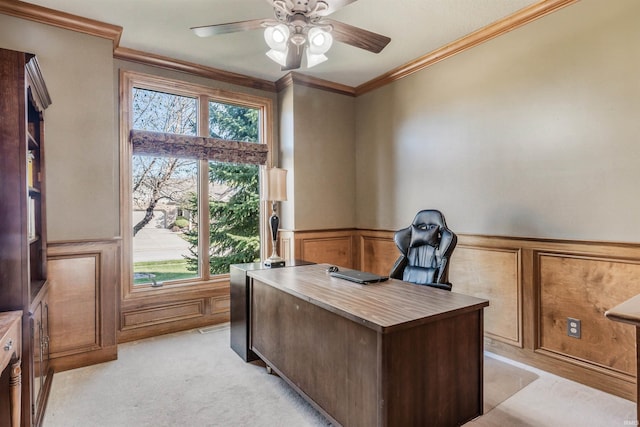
(164, 271)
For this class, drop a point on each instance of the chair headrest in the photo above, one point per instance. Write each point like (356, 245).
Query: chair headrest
(429, 216)
(425, 234)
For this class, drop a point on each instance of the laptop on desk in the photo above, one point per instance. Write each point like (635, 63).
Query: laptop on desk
(356, 276)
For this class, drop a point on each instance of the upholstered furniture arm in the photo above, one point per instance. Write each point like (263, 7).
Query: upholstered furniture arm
(398, 267)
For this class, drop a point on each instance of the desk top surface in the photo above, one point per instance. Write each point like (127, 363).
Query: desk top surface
(7, 318)
(626, 312)
(385, 306)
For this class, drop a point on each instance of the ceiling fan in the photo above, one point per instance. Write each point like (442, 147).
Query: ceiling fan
(300, 25)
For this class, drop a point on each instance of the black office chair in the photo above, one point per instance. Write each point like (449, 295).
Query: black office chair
(425, 246)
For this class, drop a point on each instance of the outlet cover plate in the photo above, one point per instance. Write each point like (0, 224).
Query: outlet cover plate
(574, 327)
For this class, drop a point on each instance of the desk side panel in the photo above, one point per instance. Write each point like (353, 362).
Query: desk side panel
(433, 373)
(239, 311)
(332, 360)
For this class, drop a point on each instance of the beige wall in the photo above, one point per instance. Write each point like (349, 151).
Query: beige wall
(81, 148)
(534, 133)
(323, 158)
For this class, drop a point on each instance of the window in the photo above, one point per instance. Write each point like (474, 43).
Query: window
(181, 189)
(160, 187)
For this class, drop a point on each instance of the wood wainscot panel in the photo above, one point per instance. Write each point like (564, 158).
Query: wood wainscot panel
(84, 284)
(220, 304)
(330, 247)
(493, 274)
(76, 287)
(583, 288)
(378, 251)
(163, 313)
(167, 310)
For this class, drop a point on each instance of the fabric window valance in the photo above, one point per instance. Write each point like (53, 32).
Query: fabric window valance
(197, 147)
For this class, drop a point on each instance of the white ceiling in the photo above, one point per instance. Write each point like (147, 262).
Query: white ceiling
(416, 27)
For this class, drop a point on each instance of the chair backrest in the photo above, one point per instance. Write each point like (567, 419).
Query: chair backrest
(426, 246)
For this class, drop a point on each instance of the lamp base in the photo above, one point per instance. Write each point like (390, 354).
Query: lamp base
(274, 263)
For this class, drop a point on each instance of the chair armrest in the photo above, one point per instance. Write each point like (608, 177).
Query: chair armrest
(398, 268)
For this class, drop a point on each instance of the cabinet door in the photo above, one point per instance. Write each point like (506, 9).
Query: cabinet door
(44, 360)
(36, 341)
(40, 321)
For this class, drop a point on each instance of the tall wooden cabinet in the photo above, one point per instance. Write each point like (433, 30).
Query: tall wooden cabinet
(23, 233)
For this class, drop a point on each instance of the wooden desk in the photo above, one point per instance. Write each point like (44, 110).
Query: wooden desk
(10, 354)
(239, 283)
(629, 312)
(385, 354)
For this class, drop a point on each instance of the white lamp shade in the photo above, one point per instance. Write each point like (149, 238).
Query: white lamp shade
(278, 56)
(275, 185)
(313, 60)
(277, 37)
(320, 41)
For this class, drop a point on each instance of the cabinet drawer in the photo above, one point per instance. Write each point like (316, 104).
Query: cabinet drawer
(10, 343)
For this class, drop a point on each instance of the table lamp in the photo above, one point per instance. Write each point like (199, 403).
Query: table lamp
(275, 191)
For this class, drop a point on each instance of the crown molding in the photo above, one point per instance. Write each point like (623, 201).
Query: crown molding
(59, 19)
(192, 68)
(68, 21)
(511, 22)
(313, 82)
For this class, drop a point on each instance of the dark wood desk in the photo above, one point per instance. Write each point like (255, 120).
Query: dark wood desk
(629, 312)
(385, 354)
(240, 297)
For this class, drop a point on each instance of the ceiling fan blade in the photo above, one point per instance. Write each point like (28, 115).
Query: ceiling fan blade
(231, 27)
(294, 57)
(334, 5)
(357, 37)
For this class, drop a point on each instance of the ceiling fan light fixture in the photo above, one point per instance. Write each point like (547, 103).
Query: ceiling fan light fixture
(299, 26)
(278, 56)
(298, 39)
(315, 59)
(277, 37)
(320, 41)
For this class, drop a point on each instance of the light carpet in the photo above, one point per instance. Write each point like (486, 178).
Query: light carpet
(502, 380)
(195, 379)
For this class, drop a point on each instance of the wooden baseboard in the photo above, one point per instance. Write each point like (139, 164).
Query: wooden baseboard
(80, 360)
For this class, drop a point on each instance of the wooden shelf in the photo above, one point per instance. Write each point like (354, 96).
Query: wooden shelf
(32, 142)
(36, 287)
